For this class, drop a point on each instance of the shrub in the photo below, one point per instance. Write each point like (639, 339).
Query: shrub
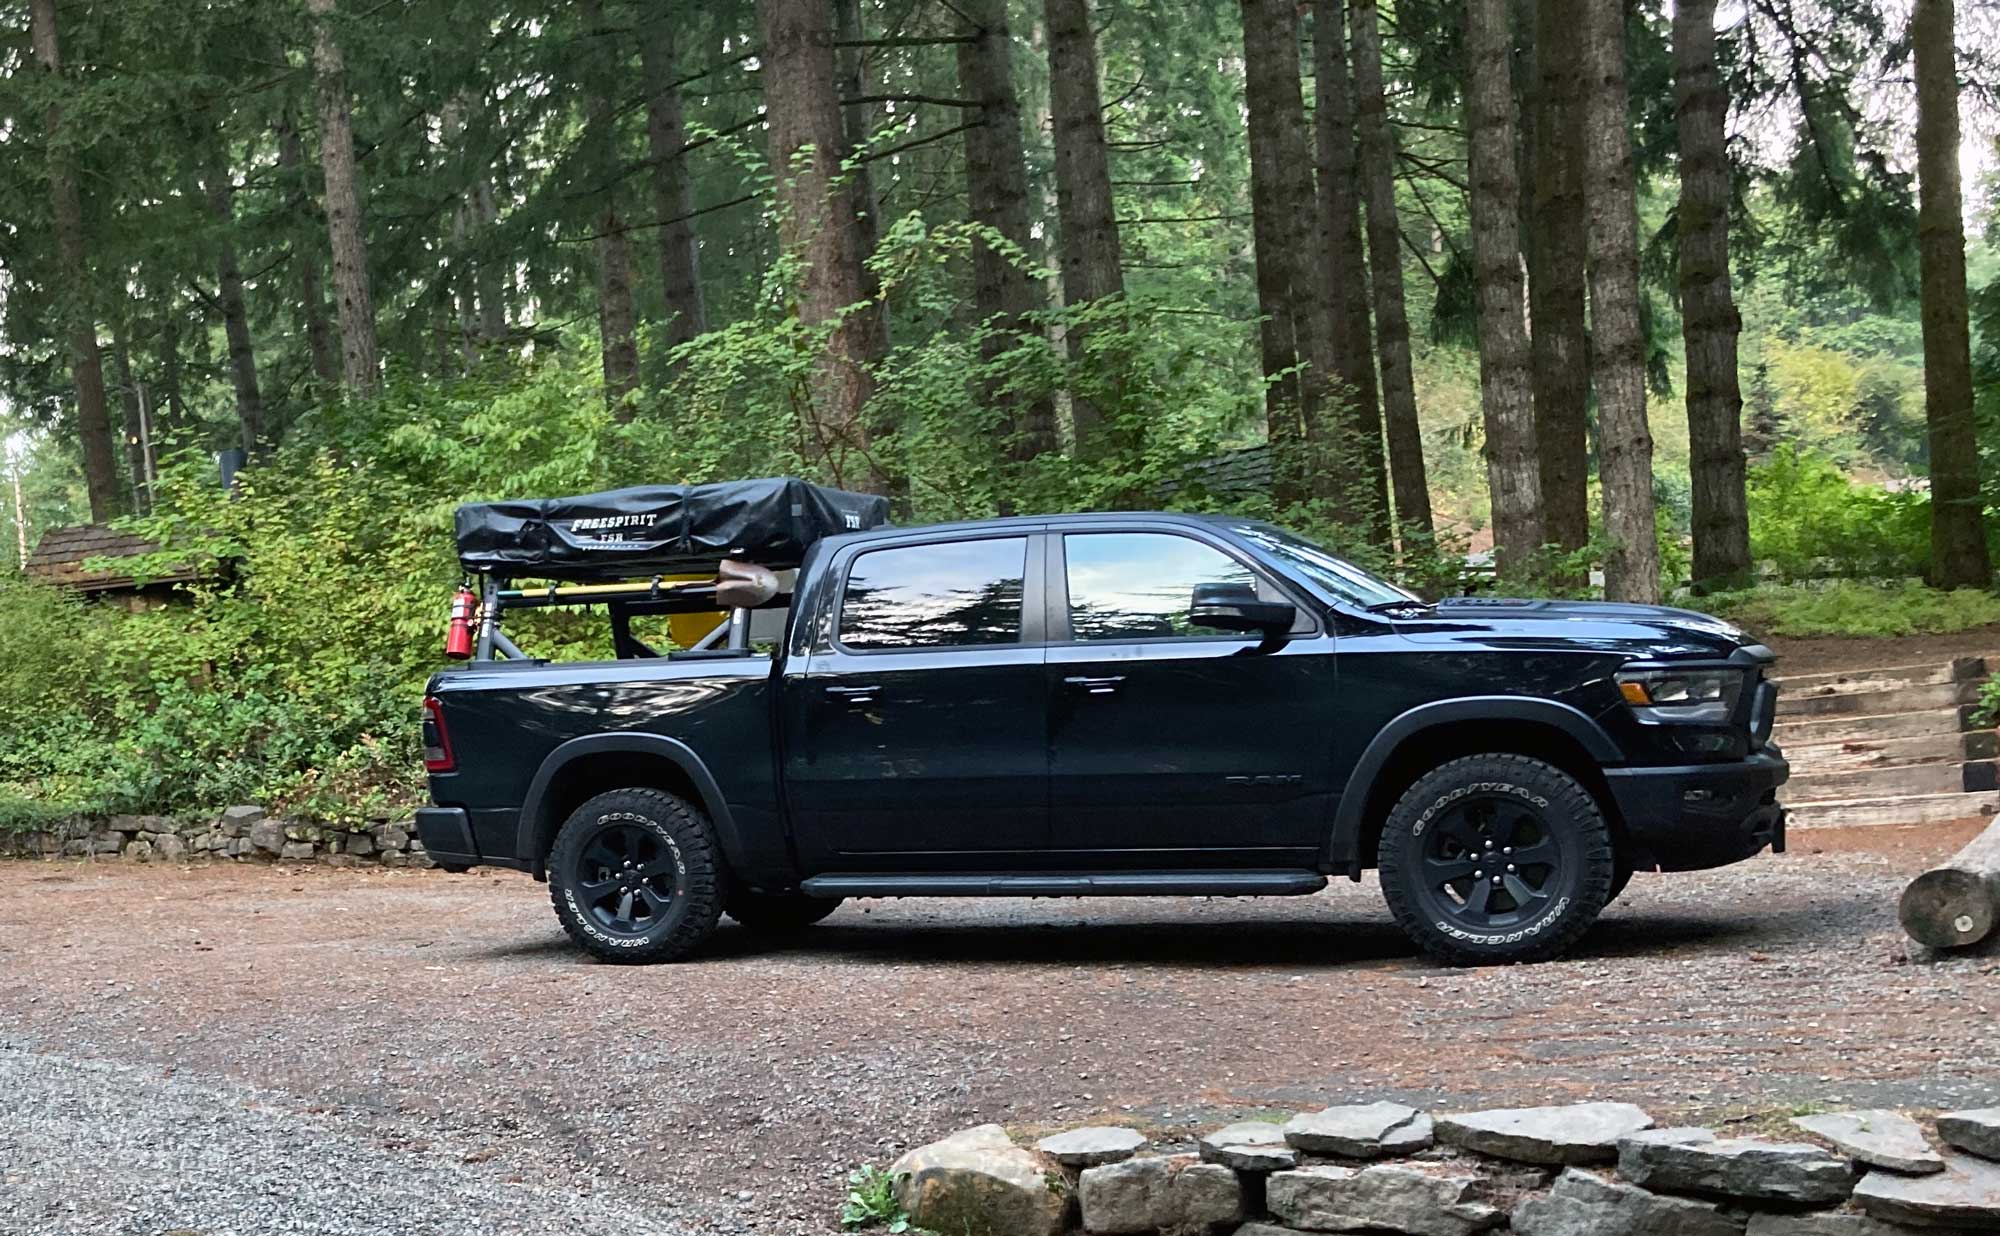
(871, 1201)
(1808, 521)
(1855, 608)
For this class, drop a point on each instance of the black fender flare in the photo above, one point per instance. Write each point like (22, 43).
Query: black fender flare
(709, 791)
(1343, 845)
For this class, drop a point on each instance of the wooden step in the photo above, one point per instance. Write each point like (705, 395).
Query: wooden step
(1964, 669)
(1815, 731)
(1880, 703)
(1908, 809)
(1810, 758)
(1891, 781)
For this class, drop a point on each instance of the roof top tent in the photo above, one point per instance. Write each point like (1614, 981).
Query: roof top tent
(737, 539)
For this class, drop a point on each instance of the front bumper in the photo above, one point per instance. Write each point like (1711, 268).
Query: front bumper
(1693, 816)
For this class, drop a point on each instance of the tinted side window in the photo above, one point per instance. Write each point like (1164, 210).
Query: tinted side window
(1140, 585)
(935, 596)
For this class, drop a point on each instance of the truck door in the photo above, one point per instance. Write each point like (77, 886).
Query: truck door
(917, 733)
(1173, 745)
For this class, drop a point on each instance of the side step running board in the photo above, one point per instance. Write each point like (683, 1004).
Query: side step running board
(1288, 882)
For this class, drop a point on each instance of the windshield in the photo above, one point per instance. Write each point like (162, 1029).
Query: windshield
(1342, 578)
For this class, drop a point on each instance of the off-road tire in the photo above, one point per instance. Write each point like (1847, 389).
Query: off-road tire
(1621, 875)
(777, 913)
(1421, 837)
(668, 833)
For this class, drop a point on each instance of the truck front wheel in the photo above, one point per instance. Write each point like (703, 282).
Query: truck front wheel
(1495, 858)
(636, 876)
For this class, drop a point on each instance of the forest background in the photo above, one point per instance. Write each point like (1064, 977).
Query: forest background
(1651, 301)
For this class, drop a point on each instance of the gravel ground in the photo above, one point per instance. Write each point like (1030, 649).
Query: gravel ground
(250, 1049)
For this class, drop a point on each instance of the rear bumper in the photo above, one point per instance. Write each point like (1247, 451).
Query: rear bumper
(1694, 816)
(447, 836)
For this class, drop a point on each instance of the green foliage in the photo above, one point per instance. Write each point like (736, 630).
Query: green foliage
(1987, 712)
(1855, 608)
(27, 815)
(1808, 520)
(291, 674)
(871, 1201)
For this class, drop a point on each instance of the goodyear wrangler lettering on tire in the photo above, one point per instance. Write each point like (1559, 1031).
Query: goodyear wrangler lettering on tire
(635, 876)
(1495, 858)
(1482, 787)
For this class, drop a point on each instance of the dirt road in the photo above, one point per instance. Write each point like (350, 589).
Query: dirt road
(403, 1051)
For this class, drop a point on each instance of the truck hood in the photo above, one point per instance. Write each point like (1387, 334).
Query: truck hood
(1598, 626)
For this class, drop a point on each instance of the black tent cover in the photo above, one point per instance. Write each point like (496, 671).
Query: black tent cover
(658, 529)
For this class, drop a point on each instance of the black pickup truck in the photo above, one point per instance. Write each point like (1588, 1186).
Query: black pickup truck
(1089, 705)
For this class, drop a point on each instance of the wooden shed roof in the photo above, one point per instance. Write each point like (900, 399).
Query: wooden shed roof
(59, 557)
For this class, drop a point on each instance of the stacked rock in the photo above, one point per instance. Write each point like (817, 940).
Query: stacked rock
(245, 833)
(1580, 1169)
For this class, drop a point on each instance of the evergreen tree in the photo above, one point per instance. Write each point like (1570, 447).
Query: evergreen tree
(1709, 321)
(361, 365)
(1958, 523)
(1512, 467)
(93, 420)
(1385, 268)
(1625, 453)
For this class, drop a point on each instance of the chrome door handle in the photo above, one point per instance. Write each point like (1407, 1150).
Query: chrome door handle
(1096, 686)
(854, 695)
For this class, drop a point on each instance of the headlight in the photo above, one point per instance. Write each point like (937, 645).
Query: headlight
(1698, 696)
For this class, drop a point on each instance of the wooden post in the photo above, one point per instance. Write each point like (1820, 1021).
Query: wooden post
(1956, 905)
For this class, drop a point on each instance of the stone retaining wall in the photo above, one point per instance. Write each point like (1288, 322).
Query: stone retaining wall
(240, 834)
(1586, 1169)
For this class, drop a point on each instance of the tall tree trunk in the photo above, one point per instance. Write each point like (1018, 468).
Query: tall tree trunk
(1709, 321)
(1345, 260)
(1556, 281)
(235, 318)
(1385, 264)
(460, 284)
(1276, 234)
(818, 221)
(128, 400)
(1958, 524)
(1305, 415)
(617, 320)
(360, 361)
(491, 275)
(857, 123)
(305, 255)
(1092, 264)
(170, 368)
(86, 365)
(673, 187)
(996, 182)
(1625, 444)
(465, 288)
(1513, 474)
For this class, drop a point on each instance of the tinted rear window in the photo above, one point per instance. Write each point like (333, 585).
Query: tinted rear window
(949, 595)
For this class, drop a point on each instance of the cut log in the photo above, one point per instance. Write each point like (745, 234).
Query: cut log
(1956, 905)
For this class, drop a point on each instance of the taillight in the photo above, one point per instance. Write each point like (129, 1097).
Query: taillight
(437, 740)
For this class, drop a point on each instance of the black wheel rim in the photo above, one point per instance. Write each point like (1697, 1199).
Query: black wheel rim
(1489, 862)
(628, 878)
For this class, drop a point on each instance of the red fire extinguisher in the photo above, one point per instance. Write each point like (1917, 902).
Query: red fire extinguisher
(458, 635)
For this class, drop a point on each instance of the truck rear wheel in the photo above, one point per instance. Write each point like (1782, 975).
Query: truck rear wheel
(777, 913)
(1495, 858)
(635, 876)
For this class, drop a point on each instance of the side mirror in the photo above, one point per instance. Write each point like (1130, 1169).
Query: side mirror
(1237, 607)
